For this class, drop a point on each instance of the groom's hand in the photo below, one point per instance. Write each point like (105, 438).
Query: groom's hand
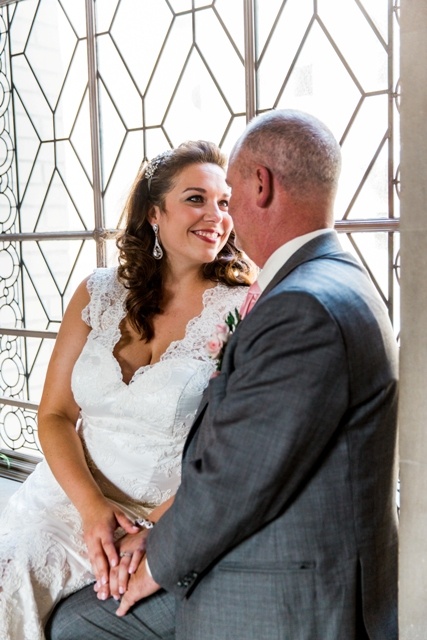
(141, 585)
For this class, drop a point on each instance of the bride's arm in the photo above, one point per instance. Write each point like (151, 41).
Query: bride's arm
(57, 417)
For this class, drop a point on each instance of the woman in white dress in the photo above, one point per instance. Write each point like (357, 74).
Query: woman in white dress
(128, 368)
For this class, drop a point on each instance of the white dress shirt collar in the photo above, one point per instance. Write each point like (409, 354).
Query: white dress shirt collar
(282, 255)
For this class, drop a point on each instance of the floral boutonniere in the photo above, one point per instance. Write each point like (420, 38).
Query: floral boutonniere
(216, 345)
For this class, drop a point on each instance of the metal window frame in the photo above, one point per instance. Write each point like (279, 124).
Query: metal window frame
(23, 463)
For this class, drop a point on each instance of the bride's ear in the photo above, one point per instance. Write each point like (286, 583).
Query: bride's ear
(153, 214)
(264, 186)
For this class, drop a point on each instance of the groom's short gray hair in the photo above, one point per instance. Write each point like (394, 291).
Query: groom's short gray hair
(298, 149)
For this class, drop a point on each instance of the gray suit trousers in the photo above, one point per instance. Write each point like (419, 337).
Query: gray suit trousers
(83, 617)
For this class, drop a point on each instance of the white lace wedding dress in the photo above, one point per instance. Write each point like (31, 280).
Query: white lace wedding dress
(133, 435)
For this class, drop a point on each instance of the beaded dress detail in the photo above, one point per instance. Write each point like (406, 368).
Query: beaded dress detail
(133, 435)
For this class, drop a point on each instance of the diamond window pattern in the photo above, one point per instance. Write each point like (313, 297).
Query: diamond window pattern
(89, 89)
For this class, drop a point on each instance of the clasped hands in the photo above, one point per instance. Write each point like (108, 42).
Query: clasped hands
(129, 580)
(118, 566)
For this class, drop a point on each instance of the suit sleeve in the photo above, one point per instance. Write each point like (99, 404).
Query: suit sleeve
(271, 413)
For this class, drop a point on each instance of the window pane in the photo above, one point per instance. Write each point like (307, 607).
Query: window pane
(164, 72)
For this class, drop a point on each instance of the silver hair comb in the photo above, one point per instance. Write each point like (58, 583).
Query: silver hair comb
(153, 165)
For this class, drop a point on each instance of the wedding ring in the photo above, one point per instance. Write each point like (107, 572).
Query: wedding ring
(126, 554)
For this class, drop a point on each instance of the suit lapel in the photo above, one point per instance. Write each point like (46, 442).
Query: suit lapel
(324, 244)
(197, 419)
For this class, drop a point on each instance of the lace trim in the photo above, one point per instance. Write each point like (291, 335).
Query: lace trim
(217, 302)
(106, 310)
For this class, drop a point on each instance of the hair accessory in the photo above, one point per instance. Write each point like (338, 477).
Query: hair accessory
(153, 165)
(157, 249)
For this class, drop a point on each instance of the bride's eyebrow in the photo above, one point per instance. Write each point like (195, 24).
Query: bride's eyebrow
(226, 194)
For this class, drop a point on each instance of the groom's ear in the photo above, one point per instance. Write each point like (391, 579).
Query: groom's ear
(264, 186)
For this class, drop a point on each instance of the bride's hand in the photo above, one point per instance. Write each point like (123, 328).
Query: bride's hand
(131, 549)
(99, 525)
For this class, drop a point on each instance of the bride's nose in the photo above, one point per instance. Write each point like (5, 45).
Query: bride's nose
(213, 213)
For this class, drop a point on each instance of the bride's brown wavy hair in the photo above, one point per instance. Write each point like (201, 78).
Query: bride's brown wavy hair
(140, 273)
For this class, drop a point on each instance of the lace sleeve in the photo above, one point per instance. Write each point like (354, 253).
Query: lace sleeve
(106, 306)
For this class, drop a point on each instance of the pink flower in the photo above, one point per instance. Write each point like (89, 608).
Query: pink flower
(214, 346)
(223, 332)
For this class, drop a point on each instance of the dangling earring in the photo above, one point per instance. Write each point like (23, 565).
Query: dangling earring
(157, 249)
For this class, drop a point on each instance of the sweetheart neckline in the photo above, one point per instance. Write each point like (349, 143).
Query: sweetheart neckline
(171, 345)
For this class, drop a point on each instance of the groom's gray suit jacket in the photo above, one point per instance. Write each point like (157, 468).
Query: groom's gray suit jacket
(284, 526)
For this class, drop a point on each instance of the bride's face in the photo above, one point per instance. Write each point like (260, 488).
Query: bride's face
(195, 223)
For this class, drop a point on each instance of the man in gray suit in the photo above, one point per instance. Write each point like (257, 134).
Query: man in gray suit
(284, 526)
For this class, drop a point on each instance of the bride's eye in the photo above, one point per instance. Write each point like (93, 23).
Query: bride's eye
(195, 198)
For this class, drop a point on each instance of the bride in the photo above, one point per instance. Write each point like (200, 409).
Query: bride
(122, 387)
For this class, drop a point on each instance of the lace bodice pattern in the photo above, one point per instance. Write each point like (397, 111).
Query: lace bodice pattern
(133, 435)
(143, 423)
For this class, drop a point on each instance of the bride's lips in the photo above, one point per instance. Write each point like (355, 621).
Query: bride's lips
(207, 235)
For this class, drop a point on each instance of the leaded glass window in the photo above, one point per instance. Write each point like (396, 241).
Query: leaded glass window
(89, 89)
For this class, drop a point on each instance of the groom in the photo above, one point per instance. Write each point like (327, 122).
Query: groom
(284, 526)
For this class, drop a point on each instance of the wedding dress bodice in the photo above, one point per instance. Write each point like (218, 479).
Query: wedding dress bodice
(134, 433)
